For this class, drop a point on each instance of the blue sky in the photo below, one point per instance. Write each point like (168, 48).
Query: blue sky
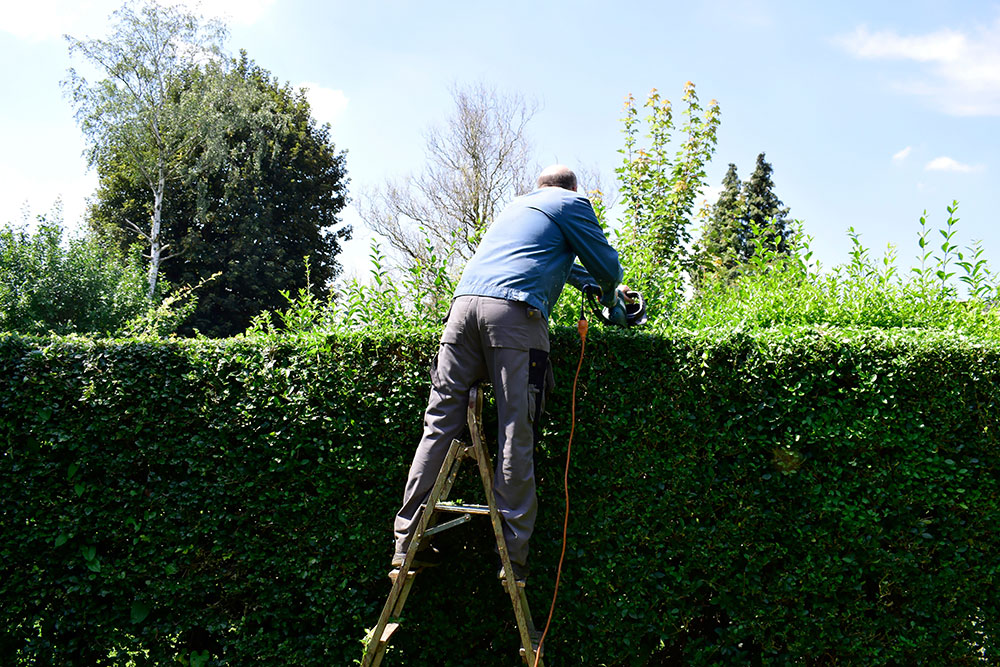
(869, 112)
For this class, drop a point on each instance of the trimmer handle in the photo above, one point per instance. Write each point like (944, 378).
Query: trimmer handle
(621, 314)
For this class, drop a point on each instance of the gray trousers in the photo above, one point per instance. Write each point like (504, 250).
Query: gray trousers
(507, 343)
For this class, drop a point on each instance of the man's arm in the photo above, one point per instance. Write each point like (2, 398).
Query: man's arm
(580, 278)
(600, 261)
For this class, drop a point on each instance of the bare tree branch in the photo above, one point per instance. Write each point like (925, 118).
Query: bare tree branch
(477, 162)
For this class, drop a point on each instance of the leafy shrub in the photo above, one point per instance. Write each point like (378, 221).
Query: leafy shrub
(816, 495)
(417, 301)
(788, 290)
(79, 286)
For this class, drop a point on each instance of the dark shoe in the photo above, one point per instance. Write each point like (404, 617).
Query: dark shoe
(520, 573)
(429, 557)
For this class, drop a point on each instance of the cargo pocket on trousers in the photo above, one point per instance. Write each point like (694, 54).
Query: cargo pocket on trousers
(539, 371)
(533, 404)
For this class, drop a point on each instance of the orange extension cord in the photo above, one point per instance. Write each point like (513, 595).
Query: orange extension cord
(581, 326)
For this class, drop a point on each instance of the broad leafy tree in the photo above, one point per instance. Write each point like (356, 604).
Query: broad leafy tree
(137, 113)
(258, 208)
(659, 187)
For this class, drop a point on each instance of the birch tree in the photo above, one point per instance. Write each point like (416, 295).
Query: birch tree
(262, 191)
(138, 107)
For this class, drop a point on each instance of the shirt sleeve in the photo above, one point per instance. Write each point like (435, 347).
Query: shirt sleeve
(580, 278)
(586, 238)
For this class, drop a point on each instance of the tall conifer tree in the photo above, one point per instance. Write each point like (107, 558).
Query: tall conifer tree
(743, 215)
(723, 242)
(765, 213)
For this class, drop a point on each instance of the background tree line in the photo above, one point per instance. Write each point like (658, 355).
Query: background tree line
(206, 164)
(218, 173)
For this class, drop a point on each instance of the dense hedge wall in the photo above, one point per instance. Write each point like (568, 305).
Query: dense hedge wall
(802, 497)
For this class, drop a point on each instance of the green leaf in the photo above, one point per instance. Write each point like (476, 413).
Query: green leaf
(61, 540)
(140, 610)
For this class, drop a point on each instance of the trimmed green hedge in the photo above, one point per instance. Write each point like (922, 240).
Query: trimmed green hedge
(801, 497)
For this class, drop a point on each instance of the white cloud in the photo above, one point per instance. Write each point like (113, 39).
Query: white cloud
(959, 71)
(328, 104)
(40, 20)
(940, 46)
(49, 19)
(903, 154)
(945, 163)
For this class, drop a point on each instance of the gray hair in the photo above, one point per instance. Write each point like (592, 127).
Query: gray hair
(557, 175)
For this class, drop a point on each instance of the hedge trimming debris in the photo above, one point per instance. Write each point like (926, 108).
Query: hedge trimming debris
(811, 496)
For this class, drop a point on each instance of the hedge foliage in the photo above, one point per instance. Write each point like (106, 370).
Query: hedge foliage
(810, 496)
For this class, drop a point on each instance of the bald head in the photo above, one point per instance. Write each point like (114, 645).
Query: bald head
(557, 176)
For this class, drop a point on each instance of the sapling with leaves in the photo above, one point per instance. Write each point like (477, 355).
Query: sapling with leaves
(978, 278)
(658, 189)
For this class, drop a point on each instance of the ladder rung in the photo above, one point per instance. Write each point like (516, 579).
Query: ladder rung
(464, 509)
(389, 629)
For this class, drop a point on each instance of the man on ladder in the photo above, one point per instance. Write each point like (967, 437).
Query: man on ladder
(497, 330)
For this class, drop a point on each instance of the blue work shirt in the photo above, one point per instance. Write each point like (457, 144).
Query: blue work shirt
(527, 253)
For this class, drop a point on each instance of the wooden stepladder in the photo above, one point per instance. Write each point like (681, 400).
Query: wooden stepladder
(403, 578)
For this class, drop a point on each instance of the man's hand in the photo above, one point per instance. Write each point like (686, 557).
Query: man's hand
(624, 290)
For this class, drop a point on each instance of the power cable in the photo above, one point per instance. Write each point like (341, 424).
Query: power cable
(581, 327)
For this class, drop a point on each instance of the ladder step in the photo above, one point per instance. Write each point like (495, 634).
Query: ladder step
(534, 647)
(410, 575)
(464, 509)
(389, 629)
(536, 638)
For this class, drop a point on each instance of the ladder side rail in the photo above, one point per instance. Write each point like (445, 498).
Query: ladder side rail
(379, 640)
(402, 582)
(524, 624)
